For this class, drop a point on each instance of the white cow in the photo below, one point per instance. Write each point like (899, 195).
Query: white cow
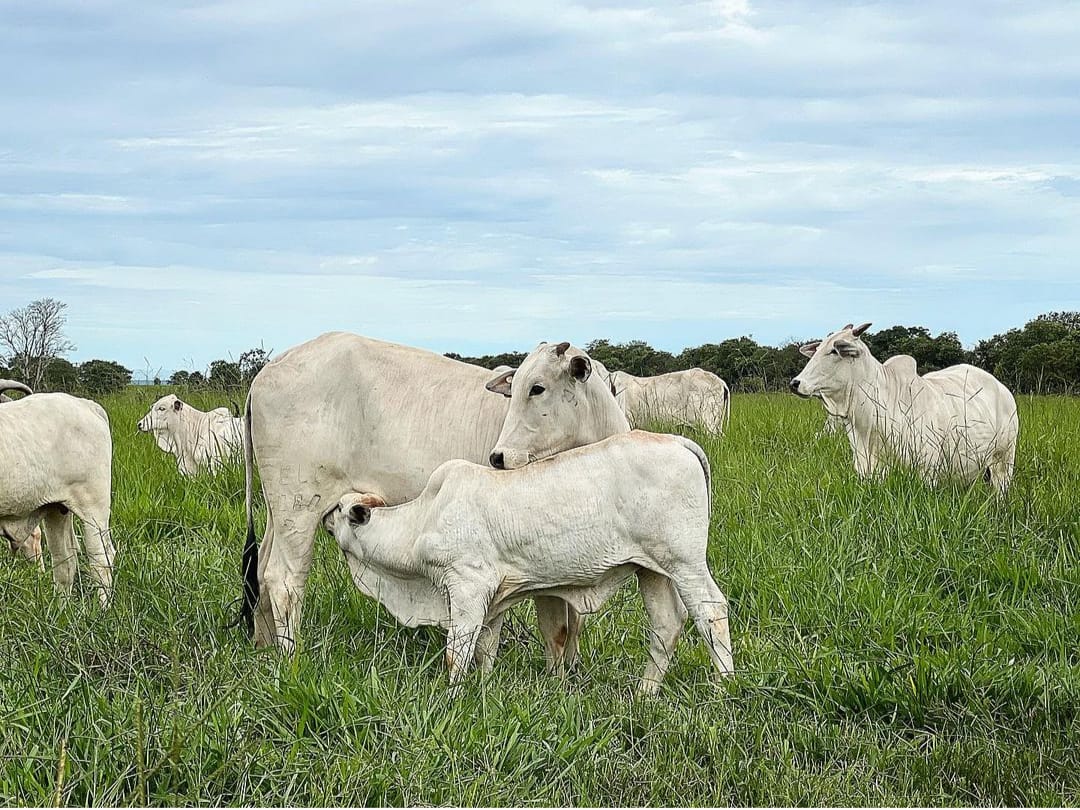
(344, 413)
(30, 548)
(198, 439)
(576, 526)
(959, 421)
(687, 398)
(56, 451)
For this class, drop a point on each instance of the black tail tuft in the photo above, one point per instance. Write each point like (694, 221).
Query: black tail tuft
(249, 568)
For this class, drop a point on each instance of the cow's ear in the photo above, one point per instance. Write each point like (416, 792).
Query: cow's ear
(580, 367)
(176, 406)
(359, 514)
(858, 330)
(847, 349)
(372, 500)
(808, 349)
(502, 383)
(560, 350)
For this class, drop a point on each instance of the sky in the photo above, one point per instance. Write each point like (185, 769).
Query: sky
(194, 179)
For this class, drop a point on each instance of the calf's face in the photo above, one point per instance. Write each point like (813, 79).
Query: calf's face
(548, 405)
(833, 366)
(162, 416)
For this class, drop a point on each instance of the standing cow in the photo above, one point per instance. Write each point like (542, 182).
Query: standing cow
(344, 413)
(687, 398)
(56, 451)
(576, 527)
(959, 421)
(198, 439)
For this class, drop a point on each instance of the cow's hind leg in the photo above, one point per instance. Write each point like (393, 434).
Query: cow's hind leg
(487, 645)
(559, 627)
(97, 540)
(667, 618)
(63, 548)
(1000, 472)
(282, 580)
(709, 608)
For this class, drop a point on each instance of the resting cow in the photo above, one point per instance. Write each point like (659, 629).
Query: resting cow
(344, 413)
(56, 451)
(576, 527)
(198, 439)
(694, 397)
(959, 421)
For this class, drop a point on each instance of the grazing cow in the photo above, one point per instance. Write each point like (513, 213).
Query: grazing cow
(198, 439)
(959, 421)
(30, 548)
(687, 398)
(56, 451)
(576, 526)
(344, 413)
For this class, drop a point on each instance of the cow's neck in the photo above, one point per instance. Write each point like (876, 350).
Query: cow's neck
(605, 414)
(866, 402)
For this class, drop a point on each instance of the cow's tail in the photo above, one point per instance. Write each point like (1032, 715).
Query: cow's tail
(703, 459)
(727, 406)
(250, 565)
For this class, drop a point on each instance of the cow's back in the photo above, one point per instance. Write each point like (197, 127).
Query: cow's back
(347, 413)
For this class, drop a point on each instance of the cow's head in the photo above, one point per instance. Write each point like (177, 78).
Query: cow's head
(352, 513)
(557, 402)
(834, 365)
(163, 420)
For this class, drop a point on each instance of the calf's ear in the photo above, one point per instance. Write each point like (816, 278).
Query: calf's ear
(501, 384)
(807, 350)
(359, 514)
(580, 367)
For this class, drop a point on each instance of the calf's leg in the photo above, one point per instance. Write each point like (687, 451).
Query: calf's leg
(667, 618)
(709, 608)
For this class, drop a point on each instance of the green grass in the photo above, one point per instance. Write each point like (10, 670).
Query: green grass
(894, 645)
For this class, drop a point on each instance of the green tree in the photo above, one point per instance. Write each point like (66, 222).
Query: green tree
(100, 377)
(60, 375)
(224, 374)
(251, 363)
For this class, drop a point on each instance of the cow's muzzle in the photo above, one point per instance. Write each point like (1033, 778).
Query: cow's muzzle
(795, 386)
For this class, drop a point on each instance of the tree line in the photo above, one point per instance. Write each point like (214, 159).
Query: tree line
(1041, 357)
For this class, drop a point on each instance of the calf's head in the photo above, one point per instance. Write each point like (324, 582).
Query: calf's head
(834, 365)
(350, 515)
(163, 420)
(24, 540)
(556, 403)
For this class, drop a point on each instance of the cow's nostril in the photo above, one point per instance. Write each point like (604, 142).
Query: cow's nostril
(795, 384)
(497, 461)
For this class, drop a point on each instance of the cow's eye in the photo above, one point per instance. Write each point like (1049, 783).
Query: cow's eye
(536, 390)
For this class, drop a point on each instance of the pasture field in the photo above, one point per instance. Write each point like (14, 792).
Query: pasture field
(894, 645)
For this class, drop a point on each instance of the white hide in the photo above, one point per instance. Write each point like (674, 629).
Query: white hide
(576, 526)
(56, 451)
(344, 413)
(197, 439)
(958, 422)
(694, 397)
